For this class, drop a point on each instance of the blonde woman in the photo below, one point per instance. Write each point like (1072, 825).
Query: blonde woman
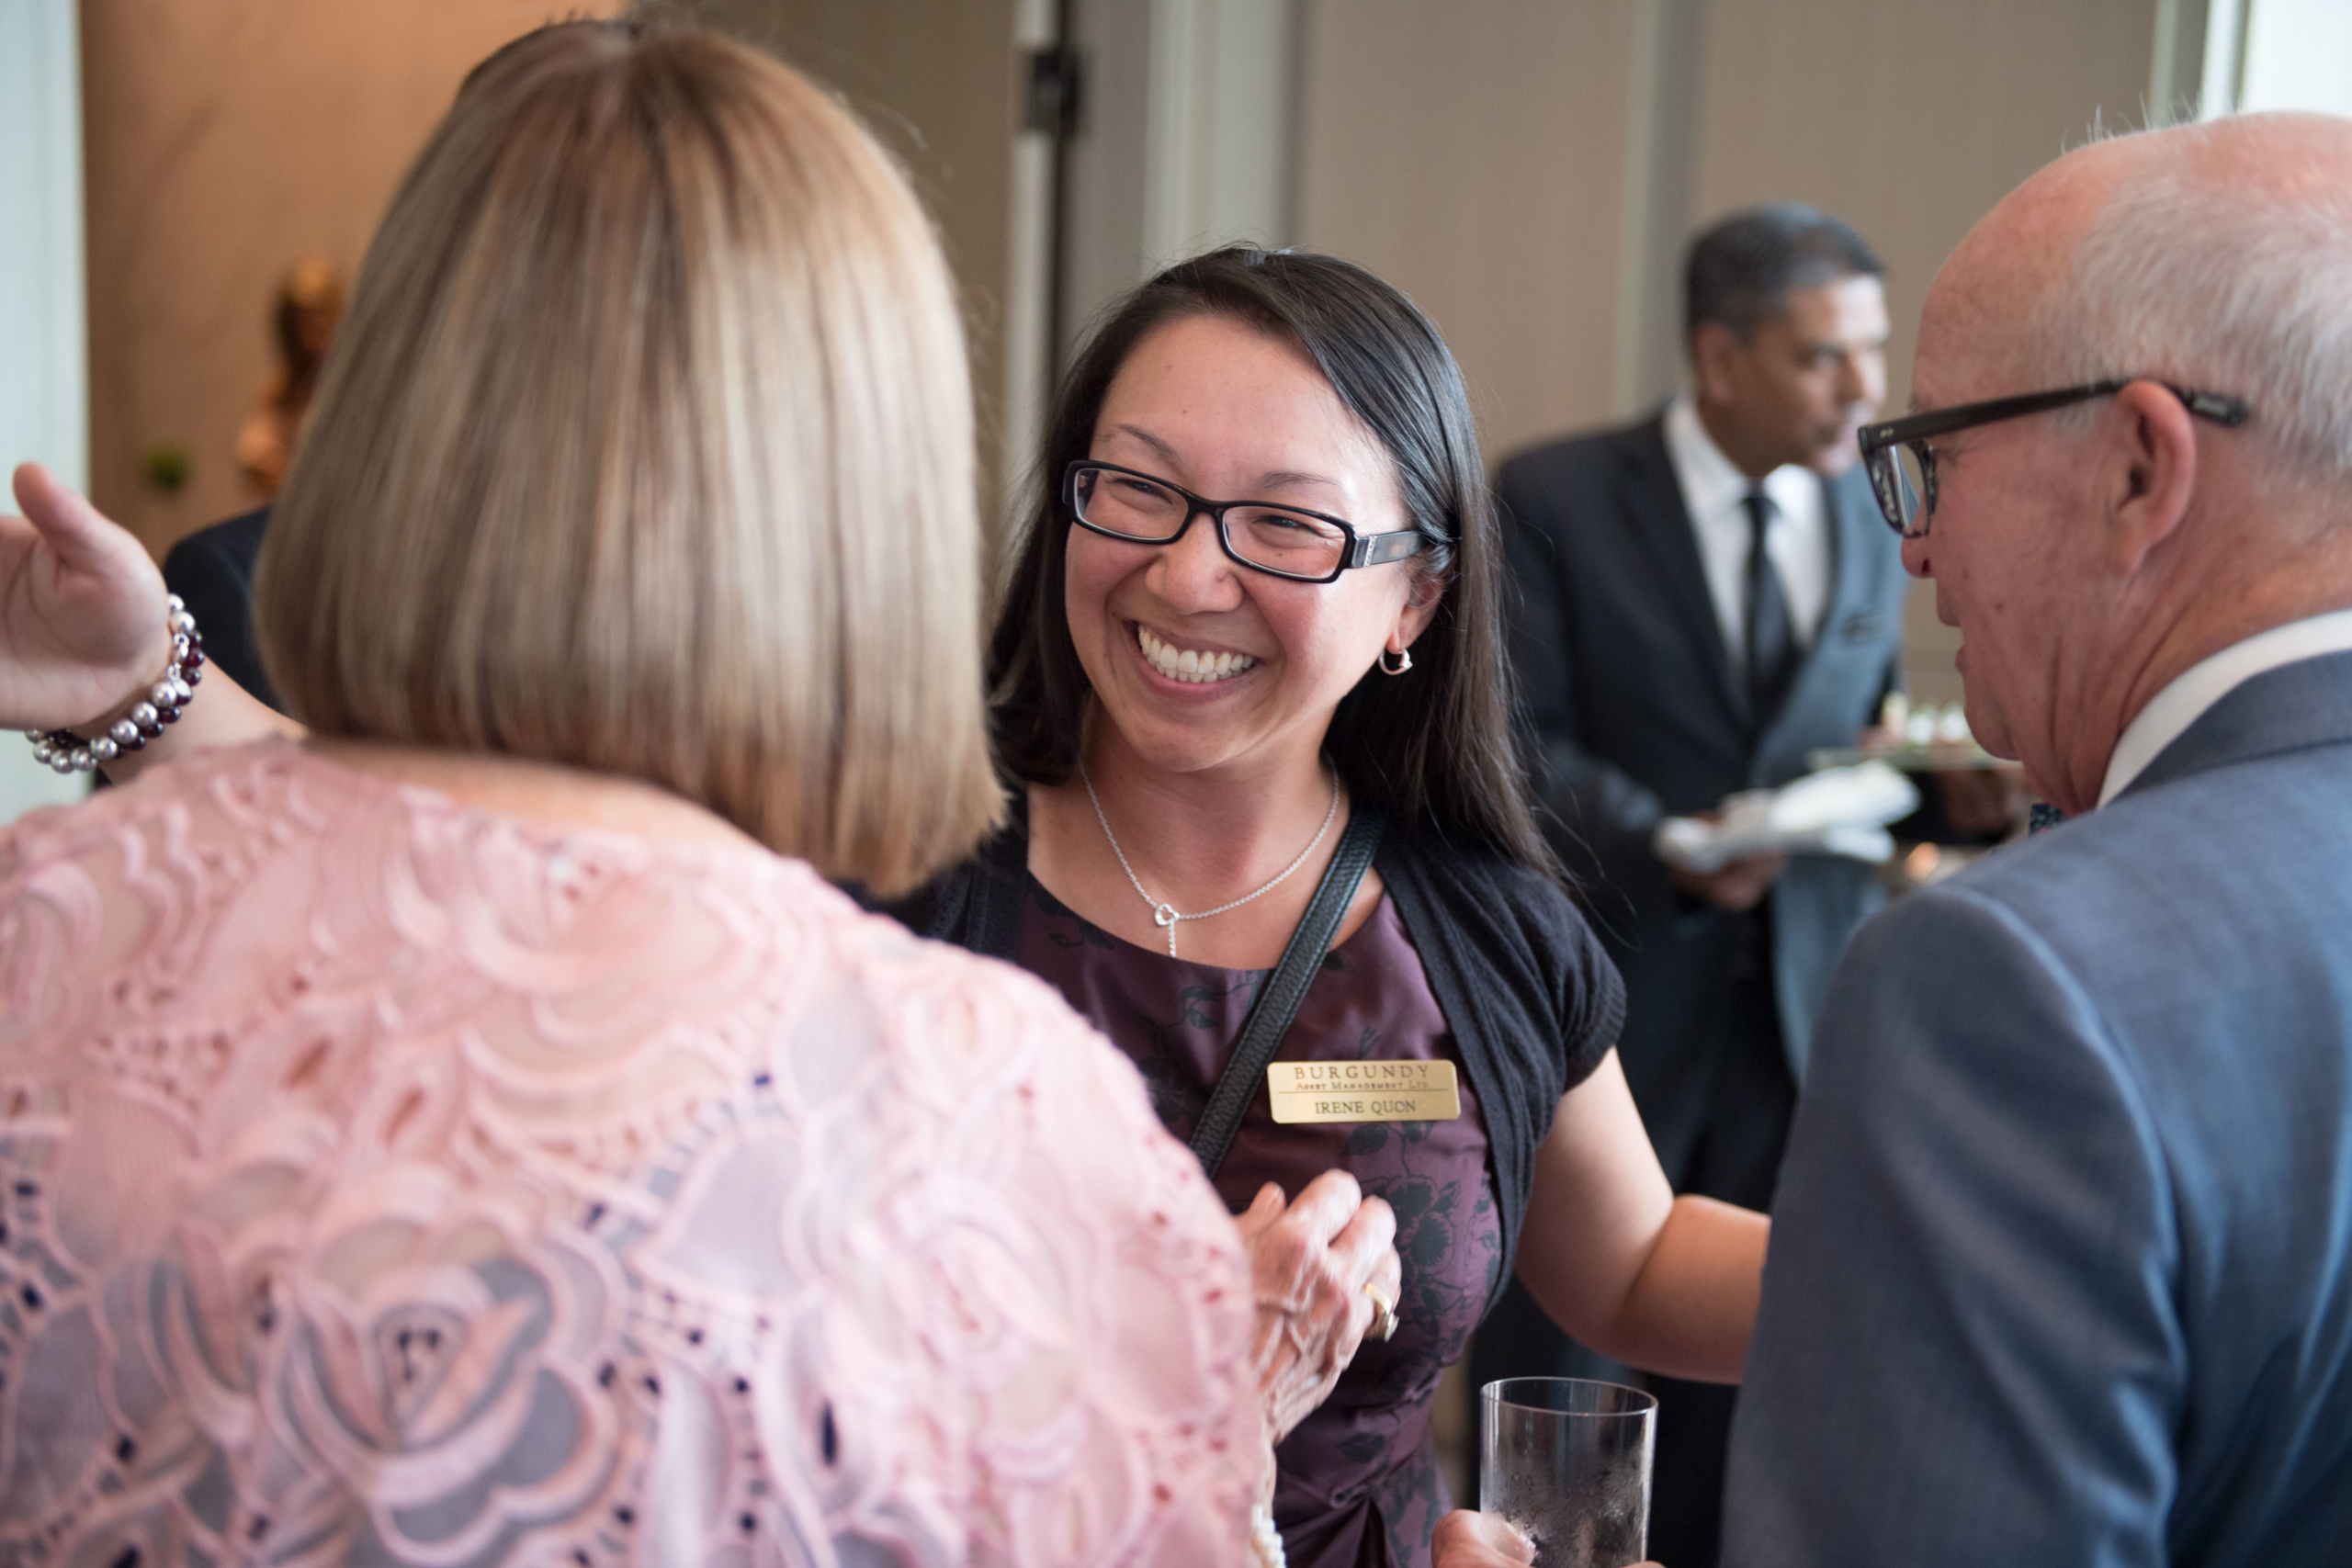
(477, 1133)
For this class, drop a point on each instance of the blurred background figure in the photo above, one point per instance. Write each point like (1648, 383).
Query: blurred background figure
(309, 303)
(1704, 598)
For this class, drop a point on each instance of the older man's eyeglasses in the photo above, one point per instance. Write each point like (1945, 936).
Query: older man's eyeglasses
(1901, 465)
(1281, 541)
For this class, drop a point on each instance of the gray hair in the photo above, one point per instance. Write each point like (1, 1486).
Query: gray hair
(2226, 286)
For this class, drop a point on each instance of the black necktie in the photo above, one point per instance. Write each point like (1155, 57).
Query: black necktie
(1771, 651)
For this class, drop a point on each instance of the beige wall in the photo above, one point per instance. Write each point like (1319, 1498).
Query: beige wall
(1476, 154)
(224, 139)
(936, 80)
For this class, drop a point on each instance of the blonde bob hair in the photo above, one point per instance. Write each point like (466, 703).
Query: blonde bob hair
(645, 448)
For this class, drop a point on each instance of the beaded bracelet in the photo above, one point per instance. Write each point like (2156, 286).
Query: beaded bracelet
(70, 753)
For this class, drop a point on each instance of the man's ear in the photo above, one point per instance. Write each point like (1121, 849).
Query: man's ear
(1715, 352)
(2148, 473)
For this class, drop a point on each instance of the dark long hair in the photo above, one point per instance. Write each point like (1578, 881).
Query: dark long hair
(1433, 747)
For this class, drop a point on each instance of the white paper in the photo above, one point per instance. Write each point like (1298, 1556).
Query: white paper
(1838, 811)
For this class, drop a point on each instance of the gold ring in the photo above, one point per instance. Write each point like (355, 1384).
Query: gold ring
(1383, 1324)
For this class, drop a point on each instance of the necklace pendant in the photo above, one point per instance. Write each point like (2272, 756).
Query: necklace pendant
(1165, 916)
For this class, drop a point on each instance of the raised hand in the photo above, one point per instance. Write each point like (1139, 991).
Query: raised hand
(1309, 1262)
(81, 610)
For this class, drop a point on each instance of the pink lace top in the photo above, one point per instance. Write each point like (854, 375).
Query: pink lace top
(387, 1181)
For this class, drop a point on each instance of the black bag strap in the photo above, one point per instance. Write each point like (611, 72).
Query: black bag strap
(1285, 987)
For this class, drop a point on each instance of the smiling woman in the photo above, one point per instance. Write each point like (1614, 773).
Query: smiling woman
(1389, 420)
(1190, 690)
(1218, 405)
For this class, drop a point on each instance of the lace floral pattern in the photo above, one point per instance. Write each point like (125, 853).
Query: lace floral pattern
(385, 1181)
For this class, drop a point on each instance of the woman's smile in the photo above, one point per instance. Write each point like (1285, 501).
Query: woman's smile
(1190, 665)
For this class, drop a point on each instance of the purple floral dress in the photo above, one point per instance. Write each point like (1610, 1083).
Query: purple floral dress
(1360, 1483)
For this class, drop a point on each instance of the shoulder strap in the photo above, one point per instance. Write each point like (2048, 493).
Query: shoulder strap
(1285, 989)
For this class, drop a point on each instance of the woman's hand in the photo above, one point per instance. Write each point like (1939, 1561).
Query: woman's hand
(1468, 1540)
(1310, 1261)
(82, 633)
(81, 610)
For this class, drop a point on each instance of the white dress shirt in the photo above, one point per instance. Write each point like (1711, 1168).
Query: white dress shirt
(1797, 538)
(2184, 702)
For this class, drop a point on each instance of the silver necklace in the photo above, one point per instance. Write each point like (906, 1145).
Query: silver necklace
(1165, 916)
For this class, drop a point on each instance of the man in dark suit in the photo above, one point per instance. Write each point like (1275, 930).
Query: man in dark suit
(1700, 601)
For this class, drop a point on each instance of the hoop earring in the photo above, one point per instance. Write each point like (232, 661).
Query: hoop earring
(1404, 662)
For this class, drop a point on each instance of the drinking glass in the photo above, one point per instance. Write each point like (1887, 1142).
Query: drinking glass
(1566, 1461)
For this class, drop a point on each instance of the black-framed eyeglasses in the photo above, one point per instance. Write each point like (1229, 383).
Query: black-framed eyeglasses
(1281, 541)
(1902, 466)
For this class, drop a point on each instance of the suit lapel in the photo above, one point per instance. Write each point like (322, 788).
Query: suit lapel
(1852, 610)
(1653, 501)
(1845, 585)
(1848, 589)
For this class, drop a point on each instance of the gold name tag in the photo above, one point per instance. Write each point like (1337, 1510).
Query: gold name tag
(1363, 1091)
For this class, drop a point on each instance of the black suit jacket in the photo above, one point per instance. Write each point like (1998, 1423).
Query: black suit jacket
(212, 571)
(1633, 713)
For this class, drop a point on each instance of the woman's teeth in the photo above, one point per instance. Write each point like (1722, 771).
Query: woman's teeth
(1189, 665)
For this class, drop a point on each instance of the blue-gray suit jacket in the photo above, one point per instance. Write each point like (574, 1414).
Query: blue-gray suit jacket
(2062, 1263)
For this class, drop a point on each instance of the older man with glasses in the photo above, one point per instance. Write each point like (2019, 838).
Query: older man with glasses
(2061, 1270)
(2062, 1266)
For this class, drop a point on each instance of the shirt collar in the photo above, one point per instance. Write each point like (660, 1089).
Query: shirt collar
(2181, 703)
(1711, 484)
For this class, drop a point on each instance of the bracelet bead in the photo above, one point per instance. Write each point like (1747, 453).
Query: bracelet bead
(70, 753)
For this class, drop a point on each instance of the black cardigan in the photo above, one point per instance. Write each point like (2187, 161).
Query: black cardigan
(1532, 1001)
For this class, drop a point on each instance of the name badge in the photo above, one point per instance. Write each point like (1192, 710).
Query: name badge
(1363, 1091)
